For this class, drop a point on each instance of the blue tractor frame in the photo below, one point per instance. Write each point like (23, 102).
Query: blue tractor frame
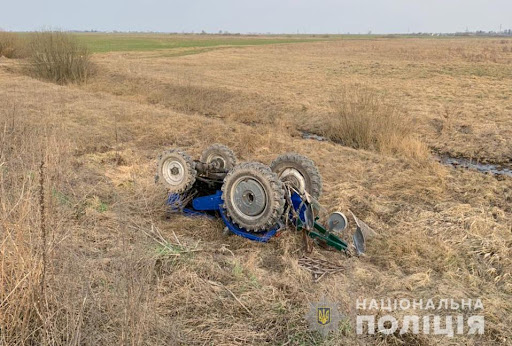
(298, 211)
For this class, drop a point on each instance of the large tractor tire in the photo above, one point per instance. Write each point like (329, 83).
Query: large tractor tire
(253, 196)
(219, 155)
(299, 171)
(176, 171)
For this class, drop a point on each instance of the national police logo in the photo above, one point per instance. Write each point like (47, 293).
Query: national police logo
(323, 316)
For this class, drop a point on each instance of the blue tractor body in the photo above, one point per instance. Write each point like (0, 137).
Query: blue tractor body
(211, 205)
(255, 201)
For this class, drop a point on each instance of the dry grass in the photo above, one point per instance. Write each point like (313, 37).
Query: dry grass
(117, 272)
(51, 292)
(29, 232)
(58, 57)
(190, 98)
(456, 106)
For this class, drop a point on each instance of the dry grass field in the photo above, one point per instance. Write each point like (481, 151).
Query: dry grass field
(88, 257)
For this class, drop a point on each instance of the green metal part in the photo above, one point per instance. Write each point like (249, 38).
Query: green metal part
(320, 233)
(330, 239)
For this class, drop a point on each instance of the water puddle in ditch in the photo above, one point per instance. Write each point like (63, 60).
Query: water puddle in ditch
(455, 162)
(488, 168)
(309, 135)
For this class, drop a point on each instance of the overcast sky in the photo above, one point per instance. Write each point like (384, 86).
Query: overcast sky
(244, 16)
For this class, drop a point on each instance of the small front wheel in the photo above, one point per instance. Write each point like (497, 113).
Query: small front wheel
(220, 156)
(176, 171)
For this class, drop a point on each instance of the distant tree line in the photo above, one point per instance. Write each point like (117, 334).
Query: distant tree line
(507, 32)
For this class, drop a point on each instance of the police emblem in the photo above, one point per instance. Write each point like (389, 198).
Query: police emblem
(323, 316)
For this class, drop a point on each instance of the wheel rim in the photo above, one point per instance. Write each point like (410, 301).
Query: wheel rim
(218, 161)
(249, 197)
(173, 172)
(294, 177)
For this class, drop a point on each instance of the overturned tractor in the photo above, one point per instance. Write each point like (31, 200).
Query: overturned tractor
(254, 200)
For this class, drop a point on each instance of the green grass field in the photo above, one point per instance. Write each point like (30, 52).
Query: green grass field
(101, 43)
(126, 42)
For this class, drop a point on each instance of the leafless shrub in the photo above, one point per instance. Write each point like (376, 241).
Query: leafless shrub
(362, 119)
(11, 45)
(58, 56)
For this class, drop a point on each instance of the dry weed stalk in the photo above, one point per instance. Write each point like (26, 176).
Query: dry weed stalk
(43, 234)
(13, 110)
(21, 277)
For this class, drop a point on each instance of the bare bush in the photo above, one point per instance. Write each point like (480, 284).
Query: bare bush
(363, 120)
(11, 45)
(58, 56)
